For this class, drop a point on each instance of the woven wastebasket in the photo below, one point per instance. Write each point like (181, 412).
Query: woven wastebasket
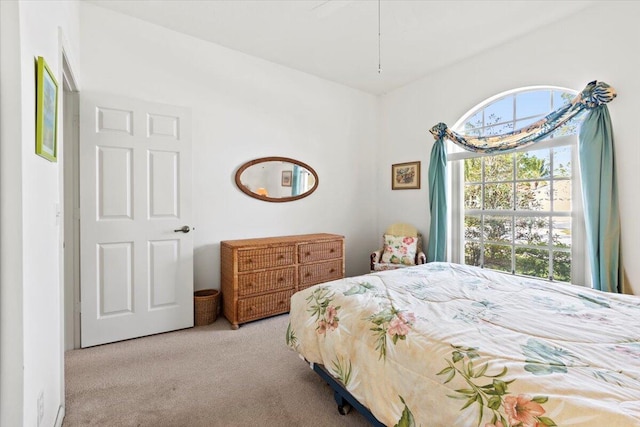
(205, 306)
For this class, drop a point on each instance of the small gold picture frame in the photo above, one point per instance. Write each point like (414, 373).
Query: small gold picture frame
(405, 176)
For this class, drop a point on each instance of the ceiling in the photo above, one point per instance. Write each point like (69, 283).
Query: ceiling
(338, 39)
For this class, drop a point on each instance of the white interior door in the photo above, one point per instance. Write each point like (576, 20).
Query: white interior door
(135, 192)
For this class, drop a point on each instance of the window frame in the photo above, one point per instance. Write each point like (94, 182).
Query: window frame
(455, 159)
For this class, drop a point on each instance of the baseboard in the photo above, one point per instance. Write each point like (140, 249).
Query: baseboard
(59, 417)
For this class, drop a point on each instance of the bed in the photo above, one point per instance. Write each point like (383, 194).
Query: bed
(451, 345)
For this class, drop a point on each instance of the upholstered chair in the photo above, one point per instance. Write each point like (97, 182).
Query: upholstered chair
(402, 247)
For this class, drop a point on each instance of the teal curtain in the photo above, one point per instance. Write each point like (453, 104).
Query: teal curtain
(600, 194)
(437, 202)
(295, 181)
(597, 173)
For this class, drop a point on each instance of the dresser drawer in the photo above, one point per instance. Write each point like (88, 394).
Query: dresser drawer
(257, 259)
(311, 274)
(266, 281)
(265, 305)
(319, 251)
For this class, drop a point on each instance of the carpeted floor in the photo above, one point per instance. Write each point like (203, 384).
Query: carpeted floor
(203, 376)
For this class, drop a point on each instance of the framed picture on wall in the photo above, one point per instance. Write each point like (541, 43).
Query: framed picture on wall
(405, 176)
(46, 112)
(286, 178)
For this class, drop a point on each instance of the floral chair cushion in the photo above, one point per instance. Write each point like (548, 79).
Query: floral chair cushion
(399, 250)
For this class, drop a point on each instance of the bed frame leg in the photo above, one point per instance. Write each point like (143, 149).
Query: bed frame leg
(343, 406)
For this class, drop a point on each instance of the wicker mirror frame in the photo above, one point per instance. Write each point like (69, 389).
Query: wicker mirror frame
(267, 198)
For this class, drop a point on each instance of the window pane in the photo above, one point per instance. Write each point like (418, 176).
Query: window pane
(562, 266)
(498, 196)
(498, 129)
(561, 234)
(472, 253)
(532, 231)
(562, 196)
(473, 170)
(498, 257)
(473, 196)
(500, 111)
(533, 164)
(473, 123)
(498, 168)
(498, 228)
(560, 98)
(472, 224)
(562, 162)
(533, 103)
(532, 262)
(533, 195)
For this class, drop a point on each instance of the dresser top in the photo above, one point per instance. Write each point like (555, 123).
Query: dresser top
(280, 240)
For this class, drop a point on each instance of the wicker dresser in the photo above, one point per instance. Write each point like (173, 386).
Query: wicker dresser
(258, 276)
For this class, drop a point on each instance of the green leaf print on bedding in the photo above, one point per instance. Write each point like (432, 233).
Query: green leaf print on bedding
(594, 302)
(326, 315)
(360, 288)
(392, 322)
(406, 420)
(492, 401)
(542, 359)
(291, 339)
(342, 370)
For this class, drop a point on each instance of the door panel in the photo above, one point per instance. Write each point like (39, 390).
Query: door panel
(135, 191)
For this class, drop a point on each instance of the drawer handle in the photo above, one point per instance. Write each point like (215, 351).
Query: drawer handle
(249, 261)
(333, 270)
(308, 254)
(250, 284)
(252, 308)
(307, 275)
(280, 279)
(281, 256)
(332, 250)
(281, 302)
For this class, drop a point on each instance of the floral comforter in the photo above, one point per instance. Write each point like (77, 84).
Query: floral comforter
(451, 345)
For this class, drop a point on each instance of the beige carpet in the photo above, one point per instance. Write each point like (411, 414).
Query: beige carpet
(203, 376)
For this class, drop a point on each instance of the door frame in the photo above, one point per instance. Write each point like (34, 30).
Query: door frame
(70, 267)
(68, 180)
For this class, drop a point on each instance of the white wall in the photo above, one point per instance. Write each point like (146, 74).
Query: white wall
(596, 44)
(11, 325)
(32, 193)
(244, 108)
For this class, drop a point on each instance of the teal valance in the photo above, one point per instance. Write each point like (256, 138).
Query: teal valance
(592, 96)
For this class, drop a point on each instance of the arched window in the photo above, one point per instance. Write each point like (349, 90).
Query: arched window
(519, 212)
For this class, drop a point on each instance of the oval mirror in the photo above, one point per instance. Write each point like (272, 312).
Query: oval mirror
(276, 179)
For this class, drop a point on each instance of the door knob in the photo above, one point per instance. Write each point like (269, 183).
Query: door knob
(184, 229)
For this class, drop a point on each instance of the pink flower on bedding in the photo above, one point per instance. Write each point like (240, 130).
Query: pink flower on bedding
(522, 411)
(331, 314)
(322, 327)
(399, 325)
(407, 317)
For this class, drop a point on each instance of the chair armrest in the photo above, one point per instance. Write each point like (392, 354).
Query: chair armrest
(421, 258)
(374, 257)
